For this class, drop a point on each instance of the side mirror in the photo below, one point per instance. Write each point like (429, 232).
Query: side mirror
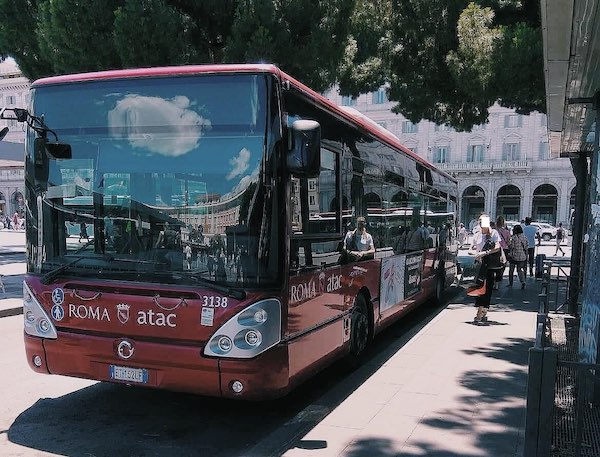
(304, 158)
(44, 149)
(59, 150)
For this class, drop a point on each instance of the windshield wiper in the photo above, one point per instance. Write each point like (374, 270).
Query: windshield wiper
(240, 294)
(52, 274)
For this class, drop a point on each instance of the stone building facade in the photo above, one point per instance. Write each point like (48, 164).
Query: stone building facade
(14, 89)
(503, 167)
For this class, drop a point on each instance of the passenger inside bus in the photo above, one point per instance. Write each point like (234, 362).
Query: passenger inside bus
(358, 243)
(416, 238)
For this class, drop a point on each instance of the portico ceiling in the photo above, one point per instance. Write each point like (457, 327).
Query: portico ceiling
(571, 34)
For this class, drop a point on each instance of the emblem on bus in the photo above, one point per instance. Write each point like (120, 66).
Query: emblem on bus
(123, 312)
(125, 349)
(58, 296)
(58, 312)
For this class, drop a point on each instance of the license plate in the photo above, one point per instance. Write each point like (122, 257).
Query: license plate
(138, 375)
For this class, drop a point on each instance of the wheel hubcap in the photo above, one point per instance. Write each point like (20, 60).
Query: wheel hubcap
(360, 331)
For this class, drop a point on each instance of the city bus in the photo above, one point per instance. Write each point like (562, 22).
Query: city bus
(215, 200)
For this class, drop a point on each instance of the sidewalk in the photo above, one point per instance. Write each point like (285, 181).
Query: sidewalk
(455, 389)
(12, 271)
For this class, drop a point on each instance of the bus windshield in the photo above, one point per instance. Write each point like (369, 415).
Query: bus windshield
(164, 183)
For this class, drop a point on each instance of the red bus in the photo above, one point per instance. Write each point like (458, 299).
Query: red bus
(184, 227)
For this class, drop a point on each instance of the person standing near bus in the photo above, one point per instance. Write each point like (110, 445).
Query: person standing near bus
(517, 249)
(504, 238)
(358, 243)
(530, 232)
(486, 248)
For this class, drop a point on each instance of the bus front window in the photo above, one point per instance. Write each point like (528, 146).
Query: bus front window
(164, 182)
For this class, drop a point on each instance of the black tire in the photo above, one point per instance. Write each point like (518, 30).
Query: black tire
(359, 330)
(546, 237)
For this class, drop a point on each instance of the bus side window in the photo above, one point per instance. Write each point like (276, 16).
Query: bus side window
(315, 210)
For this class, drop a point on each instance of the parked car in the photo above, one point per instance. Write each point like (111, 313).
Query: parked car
(546, 231)
(510, 225)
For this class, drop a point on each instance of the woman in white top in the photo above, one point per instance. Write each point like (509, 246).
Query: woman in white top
(486, 248)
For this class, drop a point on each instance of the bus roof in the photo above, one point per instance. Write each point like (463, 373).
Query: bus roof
(381, 133)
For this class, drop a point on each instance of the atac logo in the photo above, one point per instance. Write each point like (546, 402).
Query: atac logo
(123, 312)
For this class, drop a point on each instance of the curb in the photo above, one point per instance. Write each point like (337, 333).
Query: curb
(11, 312)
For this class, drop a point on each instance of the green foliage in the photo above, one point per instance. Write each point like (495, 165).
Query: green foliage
(18, 21)
(77, 36)
(363, 67)
(424, 33)
(306, 38)
(151, 33)
(213, 20)
(445, 61)
(519, 69)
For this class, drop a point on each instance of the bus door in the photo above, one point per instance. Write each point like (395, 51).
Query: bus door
(315, 301)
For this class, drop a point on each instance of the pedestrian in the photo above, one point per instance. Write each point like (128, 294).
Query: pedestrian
(187, 251)
(504, 237)
(560, 234)
(462, 235)
(530, 232)
(83, 231)
(486, 248)
(517, 255)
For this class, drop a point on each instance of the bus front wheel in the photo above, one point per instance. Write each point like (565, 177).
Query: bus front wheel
(359, 329)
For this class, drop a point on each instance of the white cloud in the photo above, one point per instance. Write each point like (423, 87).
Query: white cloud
(158, 125)
(239, 164)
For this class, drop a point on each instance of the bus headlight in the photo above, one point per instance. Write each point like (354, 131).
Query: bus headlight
(248, 333)
(253, 337)
(224, 343)
(36, 321)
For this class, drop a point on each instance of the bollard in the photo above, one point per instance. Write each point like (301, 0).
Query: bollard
(540, 402)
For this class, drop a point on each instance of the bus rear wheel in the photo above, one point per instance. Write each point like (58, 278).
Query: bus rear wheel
(359, 329)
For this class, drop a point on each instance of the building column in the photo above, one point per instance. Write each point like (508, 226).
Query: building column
(490, 206)
(527, 203)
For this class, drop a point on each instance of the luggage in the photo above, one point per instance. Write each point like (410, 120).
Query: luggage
(470, 273)
(539, 265)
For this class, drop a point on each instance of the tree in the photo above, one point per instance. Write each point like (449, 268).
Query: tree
(18, 21)
(364, 64)
(153, 33)
(213, 20)
(444, 61)
(78, 36)
(447, 62)
(304, 37)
